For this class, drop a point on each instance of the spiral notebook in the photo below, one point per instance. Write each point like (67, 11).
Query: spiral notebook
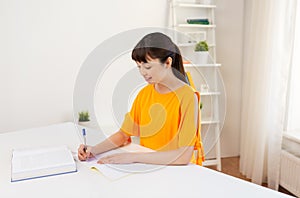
(41, 162)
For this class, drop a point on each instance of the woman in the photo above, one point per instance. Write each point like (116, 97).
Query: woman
(165, 113)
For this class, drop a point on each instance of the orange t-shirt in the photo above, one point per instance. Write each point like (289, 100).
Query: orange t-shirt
(165, 121)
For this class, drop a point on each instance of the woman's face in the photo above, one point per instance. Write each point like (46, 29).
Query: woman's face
(153, 71)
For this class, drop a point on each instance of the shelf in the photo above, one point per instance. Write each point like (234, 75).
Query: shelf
(181, 13)
(210, 93)
(195, 26)
(192, 44)
(187, 44)
(194, 5)
(209, 121)
(202, 65)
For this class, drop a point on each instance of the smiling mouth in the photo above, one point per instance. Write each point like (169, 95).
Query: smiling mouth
(148, 79)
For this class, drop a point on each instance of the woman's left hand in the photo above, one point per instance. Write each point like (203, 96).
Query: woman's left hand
(119, 158)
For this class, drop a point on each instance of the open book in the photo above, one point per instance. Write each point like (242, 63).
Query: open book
(41, 162)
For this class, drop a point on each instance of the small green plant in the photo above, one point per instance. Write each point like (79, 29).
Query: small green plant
(201, 105)
(201, 46)
(84, 116)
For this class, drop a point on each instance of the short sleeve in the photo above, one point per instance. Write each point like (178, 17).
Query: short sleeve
(187, 131)
(130, 124)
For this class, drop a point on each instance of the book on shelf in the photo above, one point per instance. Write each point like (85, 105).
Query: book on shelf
(198, 21)
(34, 163)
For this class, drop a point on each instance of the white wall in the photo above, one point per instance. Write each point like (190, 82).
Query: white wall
(43, 44)
(229, 35)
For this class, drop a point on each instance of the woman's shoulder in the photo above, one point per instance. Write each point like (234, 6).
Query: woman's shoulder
(187, 93)
(186, 90)
(145, 90)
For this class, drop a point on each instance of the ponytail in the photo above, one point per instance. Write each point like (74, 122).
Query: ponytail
(177, 65)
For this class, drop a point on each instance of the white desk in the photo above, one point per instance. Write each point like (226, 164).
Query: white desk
(171, 181)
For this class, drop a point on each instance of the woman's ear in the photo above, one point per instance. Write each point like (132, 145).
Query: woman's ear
(168, 62)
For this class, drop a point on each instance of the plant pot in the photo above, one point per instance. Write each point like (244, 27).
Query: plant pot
(202, 57)
(85, 123)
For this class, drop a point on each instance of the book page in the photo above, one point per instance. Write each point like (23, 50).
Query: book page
(40, 158)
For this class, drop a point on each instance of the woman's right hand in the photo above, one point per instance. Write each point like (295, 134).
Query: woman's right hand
(84, 152)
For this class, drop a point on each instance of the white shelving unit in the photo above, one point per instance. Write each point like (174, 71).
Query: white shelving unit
(202, 74)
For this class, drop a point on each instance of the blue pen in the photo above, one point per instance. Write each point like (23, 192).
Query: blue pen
(84, 139)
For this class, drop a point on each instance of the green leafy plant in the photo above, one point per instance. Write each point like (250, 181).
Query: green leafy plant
(201, 46)
(84, 116)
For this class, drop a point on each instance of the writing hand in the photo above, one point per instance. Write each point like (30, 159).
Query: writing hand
(84, 152)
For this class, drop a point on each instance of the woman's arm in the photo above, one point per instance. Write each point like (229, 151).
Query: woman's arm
(181, 156)
(116, 140)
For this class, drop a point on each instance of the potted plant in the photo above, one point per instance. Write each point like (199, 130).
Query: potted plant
(83, 118)
(202, 54)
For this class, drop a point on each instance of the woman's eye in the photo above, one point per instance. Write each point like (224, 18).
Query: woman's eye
(147, 67)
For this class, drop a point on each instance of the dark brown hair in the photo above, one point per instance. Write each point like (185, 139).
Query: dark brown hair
(158, 45)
